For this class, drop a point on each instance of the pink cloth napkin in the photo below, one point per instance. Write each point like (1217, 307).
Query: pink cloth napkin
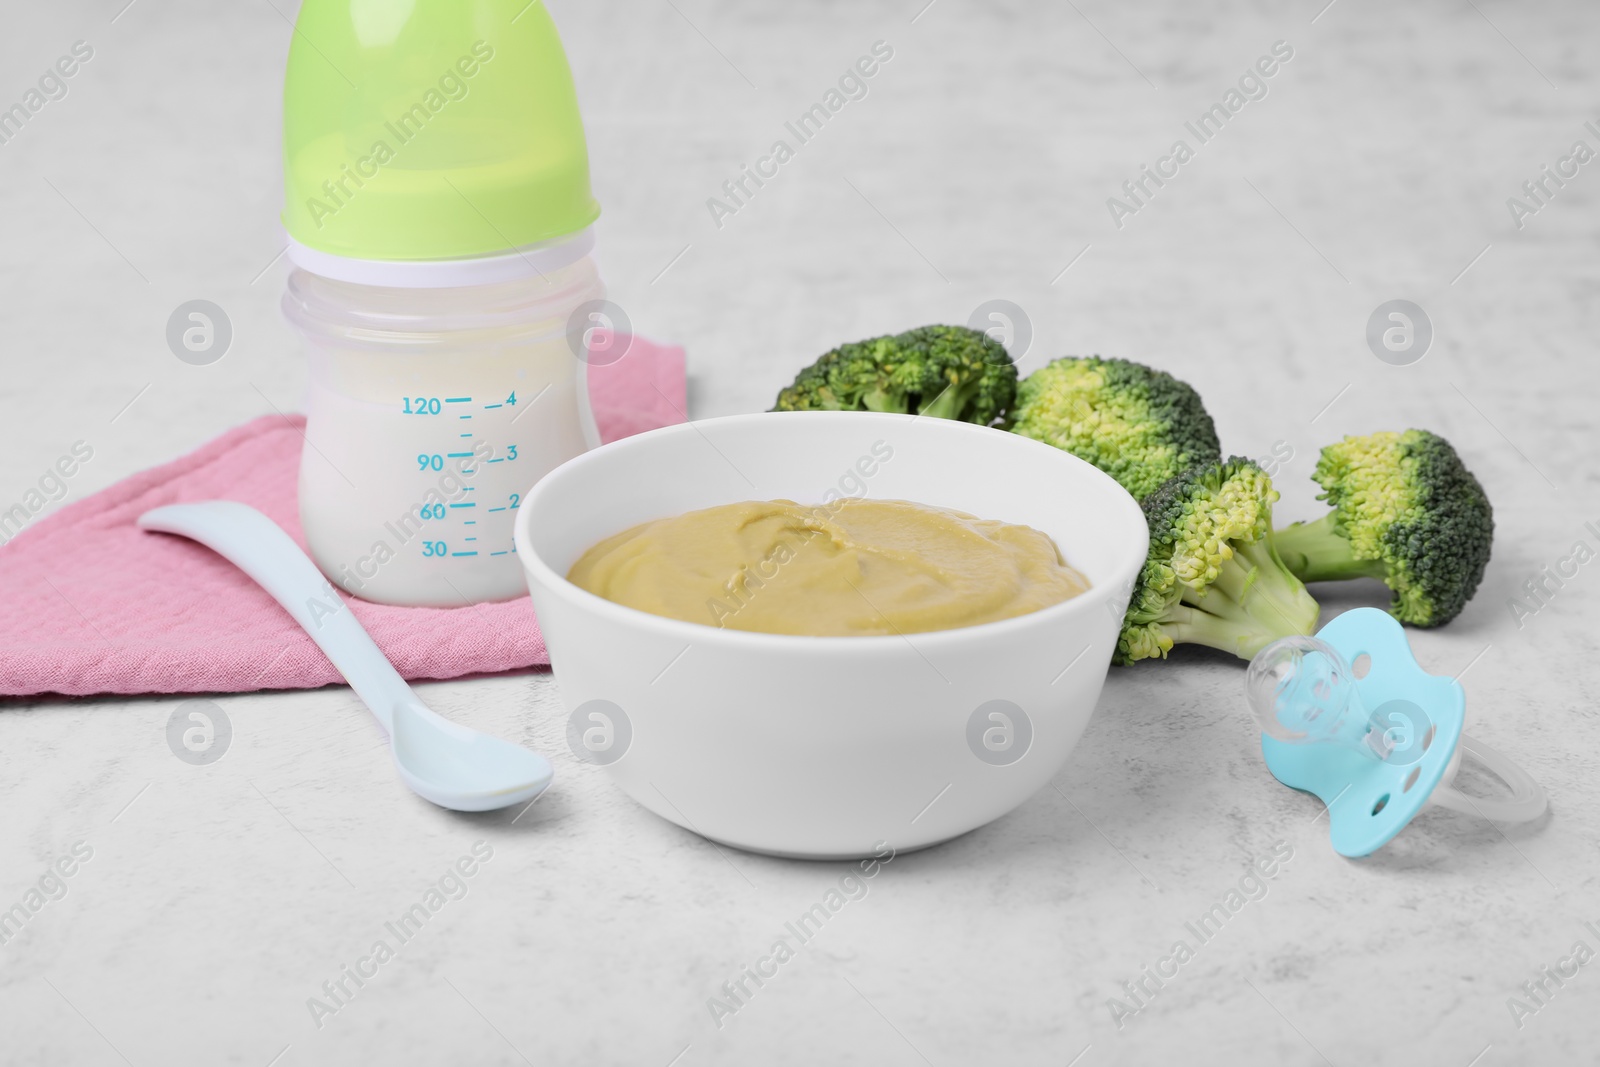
(95, 605)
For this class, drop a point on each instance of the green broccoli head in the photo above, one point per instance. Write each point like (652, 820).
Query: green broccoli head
(1212, 576)
(950, 372)
(1406, 510)
(1139, 425)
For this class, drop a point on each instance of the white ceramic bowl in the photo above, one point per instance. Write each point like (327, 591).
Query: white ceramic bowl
(829, 747)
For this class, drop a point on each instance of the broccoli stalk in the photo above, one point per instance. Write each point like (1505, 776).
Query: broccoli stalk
(1139, 425)
(1247, 607)
(953, 399)
(1213, 576)
(1405, 510)
(1318, 552)
(948, 372)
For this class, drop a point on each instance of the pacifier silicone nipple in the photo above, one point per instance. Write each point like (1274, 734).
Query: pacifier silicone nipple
(1377, 748)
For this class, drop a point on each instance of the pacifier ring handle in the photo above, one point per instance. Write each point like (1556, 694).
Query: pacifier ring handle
(1526, 802)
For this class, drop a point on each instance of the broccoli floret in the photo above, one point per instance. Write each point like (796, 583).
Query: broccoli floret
(1406, 510)
(950, 372)
(1139, 425)
(1213, 576)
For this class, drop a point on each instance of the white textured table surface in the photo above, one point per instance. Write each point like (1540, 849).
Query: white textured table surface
(218, 899)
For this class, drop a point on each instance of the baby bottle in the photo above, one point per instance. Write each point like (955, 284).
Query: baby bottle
(438, 210)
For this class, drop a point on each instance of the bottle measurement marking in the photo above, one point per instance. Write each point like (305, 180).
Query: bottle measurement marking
(477, 458)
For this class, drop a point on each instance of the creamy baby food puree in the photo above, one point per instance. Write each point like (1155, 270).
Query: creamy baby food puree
(850, 568)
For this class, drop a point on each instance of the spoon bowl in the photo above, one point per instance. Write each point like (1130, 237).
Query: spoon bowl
(459, 768)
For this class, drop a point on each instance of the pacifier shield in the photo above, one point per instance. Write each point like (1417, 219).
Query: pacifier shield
(1371, 799)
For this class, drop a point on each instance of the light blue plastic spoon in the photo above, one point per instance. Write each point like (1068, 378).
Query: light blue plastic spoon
(451, 765)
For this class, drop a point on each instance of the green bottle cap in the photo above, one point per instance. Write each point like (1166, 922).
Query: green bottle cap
(425, 130)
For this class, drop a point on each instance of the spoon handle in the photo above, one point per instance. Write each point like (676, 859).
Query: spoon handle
(259, 547)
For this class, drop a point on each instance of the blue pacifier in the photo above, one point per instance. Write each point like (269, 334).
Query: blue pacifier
(1350, 716)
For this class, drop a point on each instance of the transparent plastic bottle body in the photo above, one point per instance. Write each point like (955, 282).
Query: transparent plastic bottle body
(430, 413)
